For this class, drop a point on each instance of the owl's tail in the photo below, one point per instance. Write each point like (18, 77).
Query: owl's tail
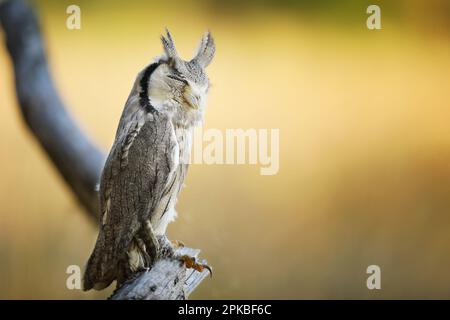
(101, 268)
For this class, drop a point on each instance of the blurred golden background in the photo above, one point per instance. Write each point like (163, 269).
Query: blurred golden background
(364, 146)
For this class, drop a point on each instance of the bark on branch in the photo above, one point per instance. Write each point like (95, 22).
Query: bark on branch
(74, 155)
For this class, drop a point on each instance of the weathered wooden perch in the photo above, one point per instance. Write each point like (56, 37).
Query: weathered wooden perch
(167, 280)
(77, 159)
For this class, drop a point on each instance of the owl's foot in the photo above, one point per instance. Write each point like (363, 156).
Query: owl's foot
(191, 263)
(151, 244)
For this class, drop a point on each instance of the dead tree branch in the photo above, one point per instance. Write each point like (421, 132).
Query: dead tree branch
(78, 160)
(72, 152)
(166, 280)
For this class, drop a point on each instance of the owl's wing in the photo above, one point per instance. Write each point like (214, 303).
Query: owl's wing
(133, 181)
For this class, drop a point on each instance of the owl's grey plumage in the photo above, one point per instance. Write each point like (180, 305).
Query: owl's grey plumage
(147, 163)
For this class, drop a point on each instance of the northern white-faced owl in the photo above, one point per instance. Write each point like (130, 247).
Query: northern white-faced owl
(147, 164)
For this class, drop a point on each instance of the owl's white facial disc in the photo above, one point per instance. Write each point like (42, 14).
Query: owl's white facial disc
(169, 88)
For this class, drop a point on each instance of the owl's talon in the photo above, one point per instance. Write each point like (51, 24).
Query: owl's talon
(191, 263)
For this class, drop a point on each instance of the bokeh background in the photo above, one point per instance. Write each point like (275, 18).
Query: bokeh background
(364, 146)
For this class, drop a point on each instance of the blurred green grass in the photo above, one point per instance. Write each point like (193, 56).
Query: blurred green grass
(364, 162)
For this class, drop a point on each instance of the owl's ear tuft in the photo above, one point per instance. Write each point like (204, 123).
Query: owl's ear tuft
(169, 46)
(206, 50)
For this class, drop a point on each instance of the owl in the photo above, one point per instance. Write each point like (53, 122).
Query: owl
(147, 165)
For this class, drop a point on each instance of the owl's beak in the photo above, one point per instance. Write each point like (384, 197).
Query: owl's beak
(192, 99)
